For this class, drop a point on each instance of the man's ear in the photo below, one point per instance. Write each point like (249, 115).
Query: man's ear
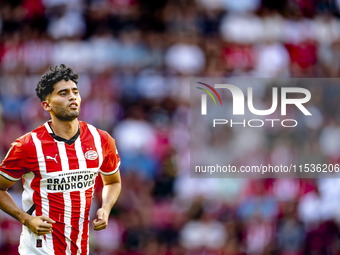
(46, 106)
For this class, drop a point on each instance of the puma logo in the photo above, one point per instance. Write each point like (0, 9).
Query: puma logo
(55, 158)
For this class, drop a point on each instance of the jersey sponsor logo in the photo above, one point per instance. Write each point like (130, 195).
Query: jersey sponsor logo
(55, 158)
(71, 181)
(91, 155)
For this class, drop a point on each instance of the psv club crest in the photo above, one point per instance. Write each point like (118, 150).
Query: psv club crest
(91, 155)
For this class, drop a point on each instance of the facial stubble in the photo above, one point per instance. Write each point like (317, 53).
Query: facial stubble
(63, 115)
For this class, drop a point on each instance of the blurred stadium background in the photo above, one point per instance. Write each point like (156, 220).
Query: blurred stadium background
(135, 59)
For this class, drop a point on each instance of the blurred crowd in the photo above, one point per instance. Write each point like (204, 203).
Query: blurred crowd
(135, 59)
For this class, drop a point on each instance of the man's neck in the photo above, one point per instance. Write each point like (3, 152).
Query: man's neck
(64, 129)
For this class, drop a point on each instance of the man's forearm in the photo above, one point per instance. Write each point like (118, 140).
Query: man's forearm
(39, 225)
(8, 205)
(110, 195)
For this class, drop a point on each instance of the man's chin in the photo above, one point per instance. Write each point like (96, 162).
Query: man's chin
(68, 117)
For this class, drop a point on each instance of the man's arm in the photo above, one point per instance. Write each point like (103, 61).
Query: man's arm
(39, 225)
(110, 193)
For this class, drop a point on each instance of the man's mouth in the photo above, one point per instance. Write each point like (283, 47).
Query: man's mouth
(73, 105)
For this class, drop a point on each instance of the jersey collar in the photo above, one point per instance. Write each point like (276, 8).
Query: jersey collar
(58, 138)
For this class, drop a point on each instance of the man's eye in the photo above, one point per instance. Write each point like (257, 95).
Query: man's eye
(75, 92)
(63, 94)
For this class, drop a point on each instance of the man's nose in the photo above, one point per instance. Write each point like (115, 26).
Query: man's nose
(72, 96)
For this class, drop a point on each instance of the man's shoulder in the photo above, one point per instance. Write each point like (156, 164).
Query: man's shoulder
(106, 139)
(102, 133)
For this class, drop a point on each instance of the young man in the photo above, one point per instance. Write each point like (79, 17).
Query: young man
(59, 162)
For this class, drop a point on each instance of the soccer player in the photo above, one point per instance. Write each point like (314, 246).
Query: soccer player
(59, 162)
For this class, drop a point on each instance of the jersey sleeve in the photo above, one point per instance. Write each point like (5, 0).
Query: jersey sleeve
(111, 160)
(14, 164)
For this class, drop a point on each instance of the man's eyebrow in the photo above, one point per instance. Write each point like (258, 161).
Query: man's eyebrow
(62, 90)
(65, 90)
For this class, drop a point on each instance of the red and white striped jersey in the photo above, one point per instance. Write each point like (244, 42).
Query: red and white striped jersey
(59, 180)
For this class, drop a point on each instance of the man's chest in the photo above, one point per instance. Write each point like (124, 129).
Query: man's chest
(66, 167)
(57, 156)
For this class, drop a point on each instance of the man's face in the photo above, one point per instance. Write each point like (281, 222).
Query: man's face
(64, 102)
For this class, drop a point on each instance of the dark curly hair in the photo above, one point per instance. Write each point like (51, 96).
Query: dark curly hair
(46, 84)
